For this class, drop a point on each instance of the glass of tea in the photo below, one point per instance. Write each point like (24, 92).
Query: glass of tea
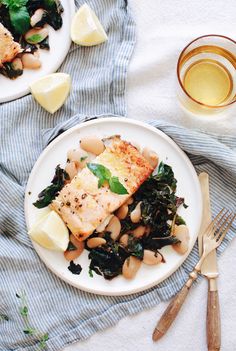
(206, 72)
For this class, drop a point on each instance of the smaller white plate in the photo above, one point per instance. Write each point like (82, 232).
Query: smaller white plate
(187, 187)
(59, 41)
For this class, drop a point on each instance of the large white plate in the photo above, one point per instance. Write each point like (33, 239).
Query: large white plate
(51, 60)
(144, 135)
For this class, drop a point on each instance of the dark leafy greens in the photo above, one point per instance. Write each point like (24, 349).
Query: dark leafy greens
(159, 205)
(48, 194)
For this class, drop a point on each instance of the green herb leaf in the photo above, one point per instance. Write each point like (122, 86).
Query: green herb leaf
(20, 19)
(24, 311)
(99, 171)
(116, 186)
(29, 331)
(90, 273)
(83, 158)
(4, 317)
(14, 4)
(103, 175)
(71, 247)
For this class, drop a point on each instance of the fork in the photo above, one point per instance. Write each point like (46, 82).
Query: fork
(212, 238)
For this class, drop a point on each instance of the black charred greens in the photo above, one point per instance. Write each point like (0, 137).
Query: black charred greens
(159, 205)
(48, 194)
(75, 268)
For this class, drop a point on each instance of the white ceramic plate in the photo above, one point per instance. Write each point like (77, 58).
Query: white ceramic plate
(51, 60)
(144, 135)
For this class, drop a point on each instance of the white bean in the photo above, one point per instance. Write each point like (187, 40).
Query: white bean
(71, 169)
(36, 35)
(36, 17)
(72, 255)
(124, 239)
(151, 257)
(150, 156)
(122, 211)
(93, 145)
(131, 267)
(95, 242)
(182, 233)
(103, 225)
(114, 227)
(135, 215)
(30, 61)
(139, 231)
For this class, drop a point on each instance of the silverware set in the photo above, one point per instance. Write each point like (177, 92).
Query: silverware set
(210, 237)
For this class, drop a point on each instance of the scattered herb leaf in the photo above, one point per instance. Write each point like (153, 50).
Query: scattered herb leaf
(29, 330)
(71, 247)
(116, 186)
(90, 273)
(3, 317)
(83, 158)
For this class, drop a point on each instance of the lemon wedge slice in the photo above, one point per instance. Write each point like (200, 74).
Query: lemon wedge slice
(86, 28)
(51, 91)
(50, 232)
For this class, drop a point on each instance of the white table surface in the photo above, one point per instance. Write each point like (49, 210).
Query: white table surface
(163, 29)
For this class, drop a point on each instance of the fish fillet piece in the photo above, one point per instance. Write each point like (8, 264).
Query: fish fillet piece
(83, 206)
(8, 47)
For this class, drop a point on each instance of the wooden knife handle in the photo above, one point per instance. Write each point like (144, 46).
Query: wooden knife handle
(170, 313)
(213, 320)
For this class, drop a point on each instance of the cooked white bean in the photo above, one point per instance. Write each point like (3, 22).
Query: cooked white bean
(182, 233)
(71, 169)
(95, 242)
(93, 145)
(30, 61)
(124, 239)
(135, 215)
(151, 157)
(103, 225)
(130, 201)
(37, 16)
(78, 244)
(36, 35)
(79, 156)
(151, 258)
(122, 211)
(17, 64)
(139, 231)
(72, 255)
(114, 227)
(131, 267)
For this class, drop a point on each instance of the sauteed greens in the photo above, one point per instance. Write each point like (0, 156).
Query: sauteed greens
(159, 205)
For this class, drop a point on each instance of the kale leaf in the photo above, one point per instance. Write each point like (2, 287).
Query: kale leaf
(48, 194)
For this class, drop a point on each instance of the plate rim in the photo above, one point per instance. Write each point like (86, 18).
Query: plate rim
(72, 8)
(126, 120)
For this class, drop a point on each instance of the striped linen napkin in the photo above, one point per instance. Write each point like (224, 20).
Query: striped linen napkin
(66, 313)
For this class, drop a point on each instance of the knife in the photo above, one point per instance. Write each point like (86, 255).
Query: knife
(210, 271)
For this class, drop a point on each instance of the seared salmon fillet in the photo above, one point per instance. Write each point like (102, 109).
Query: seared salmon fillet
(8, 47)
(83, 206)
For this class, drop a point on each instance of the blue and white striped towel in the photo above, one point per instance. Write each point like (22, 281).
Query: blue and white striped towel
(65, 312)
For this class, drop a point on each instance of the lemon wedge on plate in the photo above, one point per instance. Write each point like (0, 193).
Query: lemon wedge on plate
(51, 91)
(50, 232)
(86, 28)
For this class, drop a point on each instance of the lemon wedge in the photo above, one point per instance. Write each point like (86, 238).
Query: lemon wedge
(50, 232)
(86, 28)
(51, 91)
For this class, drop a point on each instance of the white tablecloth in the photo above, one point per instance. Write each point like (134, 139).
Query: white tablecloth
(163, 29)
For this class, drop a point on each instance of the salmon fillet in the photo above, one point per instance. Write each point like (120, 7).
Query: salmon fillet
(83, 206)
(8, 47)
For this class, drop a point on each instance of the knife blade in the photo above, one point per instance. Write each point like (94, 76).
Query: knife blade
(209, 266)
(210, 270)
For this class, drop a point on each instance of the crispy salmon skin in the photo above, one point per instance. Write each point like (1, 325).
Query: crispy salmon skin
(83, 206)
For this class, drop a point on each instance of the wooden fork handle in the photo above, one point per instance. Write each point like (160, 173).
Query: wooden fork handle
(170, 313)
(213, 318)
